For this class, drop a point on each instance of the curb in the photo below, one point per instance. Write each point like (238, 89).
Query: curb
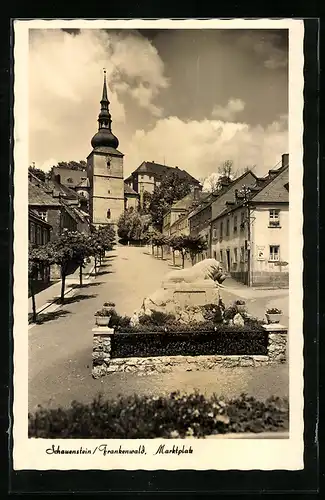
(49, 304)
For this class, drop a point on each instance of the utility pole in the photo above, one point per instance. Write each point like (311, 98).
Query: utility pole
(246, 191)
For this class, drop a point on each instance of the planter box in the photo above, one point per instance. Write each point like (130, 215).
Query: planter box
(102, 320)
(273, 318)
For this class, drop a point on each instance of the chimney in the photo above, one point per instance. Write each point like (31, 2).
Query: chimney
(285, 160)
(196, 192)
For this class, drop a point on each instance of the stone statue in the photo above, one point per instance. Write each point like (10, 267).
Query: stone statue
(207, 269)
(184, 291)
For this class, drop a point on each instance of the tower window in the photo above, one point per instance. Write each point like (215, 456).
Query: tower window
(109, 191)
(109, 213)
(108, 161)
(69, 180)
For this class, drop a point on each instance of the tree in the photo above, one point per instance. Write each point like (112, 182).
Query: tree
(194, 245)
(61, 253)
(159, 240)
(101, 239)
(226, 169)
(37, 256)
(132, 226)
(178, 243)
(40, 174)
(82, 248)
(173, 187)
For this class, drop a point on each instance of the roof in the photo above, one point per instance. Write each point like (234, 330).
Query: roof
(107, 150)
(159, 170)
(129, 190)
(37, 196)
(270, 189)
(61, 190)
(32, 214)
(84, 183)
(216, 195)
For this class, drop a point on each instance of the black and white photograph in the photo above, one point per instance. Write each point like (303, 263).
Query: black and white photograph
(158, 244)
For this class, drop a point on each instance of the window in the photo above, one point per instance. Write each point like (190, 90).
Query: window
(221, 256)
(274, 253)
(109, 213)
(242, 254)
(235, 224)
(38, 235)
(242, 221)
(42, 214)
(214, 234)
(214, 254)
(33, 233)
(221, 230)
(109, 191)
(235, 255)
(108, 161)
(227, 228)
(274, 218)
(69, 180)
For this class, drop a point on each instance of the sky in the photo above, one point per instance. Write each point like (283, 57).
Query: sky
(186, 98)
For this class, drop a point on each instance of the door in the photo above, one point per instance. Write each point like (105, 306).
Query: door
(228, 261)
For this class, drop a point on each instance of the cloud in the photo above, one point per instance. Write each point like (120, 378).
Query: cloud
(200, 146)
(270, 48)
(65, 83)
(228, 112)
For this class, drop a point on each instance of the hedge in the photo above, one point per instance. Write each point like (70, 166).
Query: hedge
(124, 345)
(173, 416)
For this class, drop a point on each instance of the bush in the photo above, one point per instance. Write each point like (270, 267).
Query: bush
(117, 321)
(157, 318)
(173, 416)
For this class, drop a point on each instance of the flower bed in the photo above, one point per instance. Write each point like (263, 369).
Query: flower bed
(173, 416)
(224, 341)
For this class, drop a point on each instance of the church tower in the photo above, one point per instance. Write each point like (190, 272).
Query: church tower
(105, 170)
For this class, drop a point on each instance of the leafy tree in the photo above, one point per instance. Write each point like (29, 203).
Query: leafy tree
(178, 243)
(194, 245)
(159, 240)
(101, 239)
(38, 256)
(62, 253)
(132, 226)
(172, 188)
(40, 174)
(82, 248)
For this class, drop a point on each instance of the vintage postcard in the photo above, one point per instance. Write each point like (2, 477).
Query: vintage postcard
(158, 243)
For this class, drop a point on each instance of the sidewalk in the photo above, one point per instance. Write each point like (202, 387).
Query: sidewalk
(48, 296)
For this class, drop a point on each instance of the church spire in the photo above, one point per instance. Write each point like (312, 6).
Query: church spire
(104, 96)
(104, 136)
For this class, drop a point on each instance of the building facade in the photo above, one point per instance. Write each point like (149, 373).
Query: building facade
(150, 174)
(250, 235)
(105, 170)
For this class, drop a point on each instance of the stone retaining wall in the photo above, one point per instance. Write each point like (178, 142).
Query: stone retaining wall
(103, 364)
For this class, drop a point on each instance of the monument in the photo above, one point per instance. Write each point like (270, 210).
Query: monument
(184, 291)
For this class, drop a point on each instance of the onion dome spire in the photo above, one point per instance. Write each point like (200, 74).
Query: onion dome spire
(104, 137)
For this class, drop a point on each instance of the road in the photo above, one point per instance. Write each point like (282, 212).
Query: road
(60, 350)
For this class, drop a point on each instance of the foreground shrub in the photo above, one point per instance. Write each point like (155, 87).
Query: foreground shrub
(173, 416)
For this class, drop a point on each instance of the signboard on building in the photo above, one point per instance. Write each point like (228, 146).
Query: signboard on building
(261, 253)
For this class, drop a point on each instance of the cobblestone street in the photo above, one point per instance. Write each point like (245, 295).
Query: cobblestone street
(60, 349)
